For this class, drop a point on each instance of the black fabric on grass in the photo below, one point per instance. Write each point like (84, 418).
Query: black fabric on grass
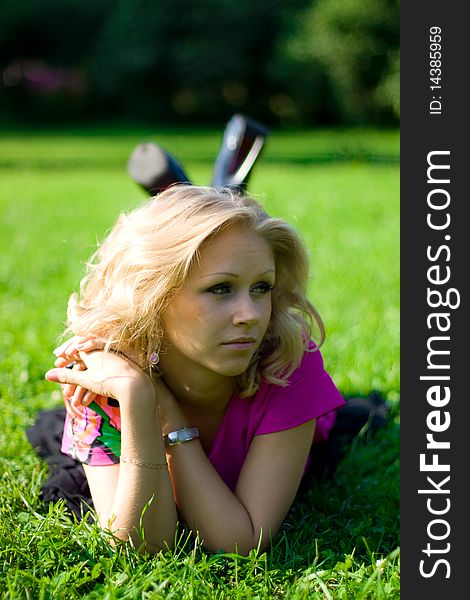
(360, 415)
(67, 478)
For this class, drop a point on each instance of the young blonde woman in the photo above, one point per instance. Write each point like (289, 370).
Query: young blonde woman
(197, 388)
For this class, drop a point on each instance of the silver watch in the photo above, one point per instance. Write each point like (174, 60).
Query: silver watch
(180, 436)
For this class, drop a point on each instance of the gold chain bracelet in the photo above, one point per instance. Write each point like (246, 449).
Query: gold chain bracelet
(144, 465)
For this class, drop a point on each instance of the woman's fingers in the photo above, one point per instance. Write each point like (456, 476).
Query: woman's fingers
(89, 397)
(77, 396)
(67, 362)
(106, 374)
(62, 362)
(88, 345)
(68, 348)
(99, 373)
(59, 351)
(79, 380)
(70, 390)
(65, 376)
(82, 396)
(71, 347)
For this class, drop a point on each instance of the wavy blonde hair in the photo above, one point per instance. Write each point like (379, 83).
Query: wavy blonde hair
(147, 256)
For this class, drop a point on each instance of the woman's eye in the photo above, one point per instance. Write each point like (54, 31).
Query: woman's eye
(262, 288)
(220, 289)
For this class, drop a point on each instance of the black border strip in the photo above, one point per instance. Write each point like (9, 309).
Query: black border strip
(434, 253)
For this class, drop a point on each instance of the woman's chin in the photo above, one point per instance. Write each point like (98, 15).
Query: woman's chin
(234, 369)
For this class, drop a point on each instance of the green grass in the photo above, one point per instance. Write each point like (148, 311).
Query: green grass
(58, 195)
(111, 147)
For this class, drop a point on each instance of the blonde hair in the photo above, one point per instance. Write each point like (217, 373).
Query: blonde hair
(146, 258)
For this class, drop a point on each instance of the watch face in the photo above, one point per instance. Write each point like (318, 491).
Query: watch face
(181, 435)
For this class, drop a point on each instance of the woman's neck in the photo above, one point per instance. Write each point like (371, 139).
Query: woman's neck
(196, 387)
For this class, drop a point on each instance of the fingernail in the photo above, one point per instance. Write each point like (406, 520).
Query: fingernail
(51, 375)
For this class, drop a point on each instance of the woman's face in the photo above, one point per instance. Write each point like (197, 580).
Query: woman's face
(216, 322)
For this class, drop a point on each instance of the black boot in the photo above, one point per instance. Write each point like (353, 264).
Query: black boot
(155, 169)
(241, 145)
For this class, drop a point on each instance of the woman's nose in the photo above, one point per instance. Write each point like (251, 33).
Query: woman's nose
(245, 311)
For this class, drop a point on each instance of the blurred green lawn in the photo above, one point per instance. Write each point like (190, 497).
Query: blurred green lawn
(60, 193)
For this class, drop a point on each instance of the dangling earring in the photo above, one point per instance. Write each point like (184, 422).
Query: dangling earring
(154, 359)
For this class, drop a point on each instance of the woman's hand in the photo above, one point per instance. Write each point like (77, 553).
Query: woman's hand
(105, 374)
(68, 356)
(69, 353)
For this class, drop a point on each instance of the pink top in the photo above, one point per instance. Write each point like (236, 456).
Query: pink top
(311, 394)
(92, 434)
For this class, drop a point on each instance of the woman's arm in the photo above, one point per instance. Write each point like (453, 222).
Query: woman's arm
(121, 492)
(136, 485)
(225, 520)
(264, 493)
(250, 516)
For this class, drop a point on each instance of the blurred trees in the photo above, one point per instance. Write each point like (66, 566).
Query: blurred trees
(300, 62)
(342, 61)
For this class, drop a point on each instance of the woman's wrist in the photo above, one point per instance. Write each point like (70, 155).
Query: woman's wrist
(140, 390)
(169, 411)
(172, 420)
(141, 438)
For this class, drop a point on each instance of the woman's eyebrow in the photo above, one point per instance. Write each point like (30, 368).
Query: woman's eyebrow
(234, 274)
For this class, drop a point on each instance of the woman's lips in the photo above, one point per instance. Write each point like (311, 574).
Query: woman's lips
(241, 343)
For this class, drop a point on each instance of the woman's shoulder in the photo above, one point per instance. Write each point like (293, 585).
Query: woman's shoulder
(311, 365)
(309, 393)
(310, 374)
